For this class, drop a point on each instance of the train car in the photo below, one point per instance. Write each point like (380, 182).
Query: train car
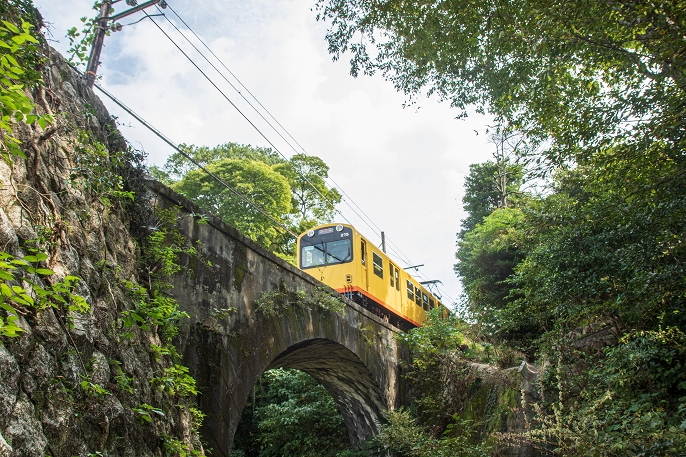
(340, 257)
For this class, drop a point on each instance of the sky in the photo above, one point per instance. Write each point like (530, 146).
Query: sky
(403, 168)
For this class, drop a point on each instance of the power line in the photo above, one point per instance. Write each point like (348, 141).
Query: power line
(231, 102)
(221, 62)
(364, 217)
(201, 167)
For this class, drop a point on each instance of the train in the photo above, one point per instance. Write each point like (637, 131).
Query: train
(342, 258)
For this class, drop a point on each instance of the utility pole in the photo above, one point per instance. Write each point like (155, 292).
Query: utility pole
(100, 31)
(101, 28)
(383, 242)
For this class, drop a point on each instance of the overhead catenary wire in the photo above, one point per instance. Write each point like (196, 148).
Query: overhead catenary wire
(394, 248)
(231, 102)
(364, 217)
(348, 200)
(200, 166)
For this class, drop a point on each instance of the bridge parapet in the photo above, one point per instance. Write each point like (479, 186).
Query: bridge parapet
(229, 342)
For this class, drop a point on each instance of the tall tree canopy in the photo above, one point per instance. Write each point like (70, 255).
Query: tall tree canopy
(575, 74)
(255, 180)
(293, 192)
(488, 186)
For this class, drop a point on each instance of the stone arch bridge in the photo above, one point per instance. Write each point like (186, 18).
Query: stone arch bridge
(229, 343)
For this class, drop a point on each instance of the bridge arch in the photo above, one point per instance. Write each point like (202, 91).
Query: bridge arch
(359, 399)
(230, 342)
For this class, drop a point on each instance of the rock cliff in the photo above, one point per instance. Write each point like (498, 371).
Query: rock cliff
(93, 379)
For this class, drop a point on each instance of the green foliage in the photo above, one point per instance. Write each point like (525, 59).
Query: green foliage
(146, 411)
(197, 418)
(21, 288)
(176, 447)
(255, 180)
(483, 194)
(100, 170)
(631, 401)
(293, 415)
(599, 87)
(80, 41)
(403, 436)
(17, 50)
(577, 75)
(292, 191)
(487, 258)
(312, 202)
(278, 302)
(177, 165)
(153, 309)
(124, 382)
(441, 376)
(154, 306)
(159, 351)
(606, 247)
(92, 389)
(176, 381)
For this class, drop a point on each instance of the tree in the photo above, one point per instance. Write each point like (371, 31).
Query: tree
(578, 75)
(607, 246)
(177, 165)
(487, 258)
(313, 202)
(256, 181)
(267, 179)
(597, 90)
(488, 186)
(291, 415)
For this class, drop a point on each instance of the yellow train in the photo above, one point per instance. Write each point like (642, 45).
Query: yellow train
(340, 257)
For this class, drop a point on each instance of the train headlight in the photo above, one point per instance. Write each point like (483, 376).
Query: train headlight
(339, 227)
(310, 233)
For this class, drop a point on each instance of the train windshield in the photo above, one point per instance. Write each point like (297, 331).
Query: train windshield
(326, 247)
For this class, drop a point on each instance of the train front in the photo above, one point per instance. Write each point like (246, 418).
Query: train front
(322, 249)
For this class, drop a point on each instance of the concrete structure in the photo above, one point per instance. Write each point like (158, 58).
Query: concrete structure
(229, 342)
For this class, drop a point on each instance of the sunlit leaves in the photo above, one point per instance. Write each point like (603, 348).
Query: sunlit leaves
(263, 177)
(22, 290)
(255, 181)
(15, 105)
(579, 75)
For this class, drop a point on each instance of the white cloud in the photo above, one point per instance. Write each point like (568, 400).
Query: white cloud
(404, 167)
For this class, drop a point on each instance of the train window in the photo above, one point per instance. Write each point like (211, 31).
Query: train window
(426, 302)
(364, 252)
(418, 295)
(410, 290)
(378, 264)
(432, 305)
(390, 273)
(396, 273)
(329, 253)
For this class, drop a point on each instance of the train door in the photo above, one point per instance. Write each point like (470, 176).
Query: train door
(394, 295)
(364, 261)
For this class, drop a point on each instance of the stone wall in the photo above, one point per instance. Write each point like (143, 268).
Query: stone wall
(76, 383)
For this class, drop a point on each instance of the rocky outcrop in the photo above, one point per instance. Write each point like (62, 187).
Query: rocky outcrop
(77, 381)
